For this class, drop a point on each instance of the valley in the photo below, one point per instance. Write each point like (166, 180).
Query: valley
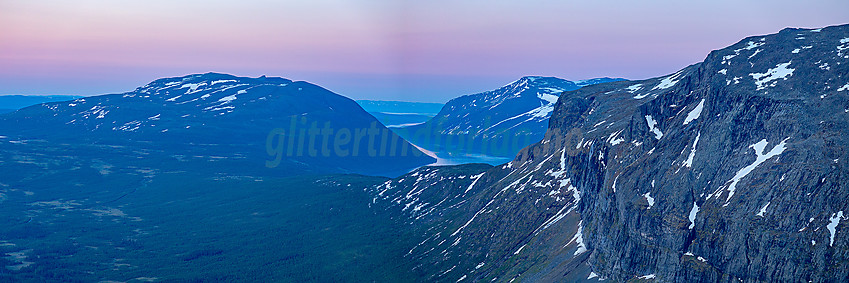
(94, 217)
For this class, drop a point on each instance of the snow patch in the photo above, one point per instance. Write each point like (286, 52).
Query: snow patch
(617, 141)
(762, 156)
(192, 88)
(221, 82)
(756, 53)
(614, 138)
(565, 210)
(472, 219)
(652, 123)
(220, 108)
(477, 178)
(832, 226)
(228, 98)
(689, 162)
(693, 115)
(634, 88)
(772, 75)
(129, 126)
(614, 183)
(550, 98)
(649, 199)
(752, 45)
(692, 216)
(669, 81)
(763, 210)
(842, 47)
(735, 80)
(520, 249)
(579, 239)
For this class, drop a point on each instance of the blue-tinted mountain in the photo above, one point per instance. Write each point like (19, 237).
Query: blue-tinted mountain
(271, 124)
(729, 170)
(498, 122)
(171, 183)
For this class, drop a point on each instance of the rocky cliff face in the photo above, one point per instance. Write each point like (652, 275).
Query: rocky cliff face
(733, 169)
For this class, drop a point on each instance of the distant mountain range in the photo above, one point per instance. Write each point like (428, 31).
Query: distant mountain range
(499, 122)
(9, 103)
(295, 126)
(396, 114)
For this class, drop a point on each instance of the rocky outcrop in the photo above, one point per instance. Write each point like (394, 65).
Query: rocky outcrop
(732, 169)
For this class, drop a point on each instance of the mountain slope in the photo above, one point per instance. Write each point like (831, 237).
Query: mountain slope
(498, 122)
(274, 124)
(729, 170)
(86, 198)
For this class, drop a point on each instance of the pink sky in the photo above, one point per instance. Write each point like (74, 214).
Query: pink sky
(391, 50)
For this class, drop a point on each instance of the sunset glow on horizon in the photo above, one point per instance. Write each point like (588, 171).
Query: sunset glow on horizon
(388, 50)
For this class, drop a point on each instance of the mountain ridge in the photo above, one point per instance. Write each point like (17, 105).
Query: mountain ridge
(225, 115)
(687, 177)
(498, 122)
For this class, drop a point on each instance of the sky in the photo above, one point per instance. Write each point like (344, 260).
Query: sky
(428, 51)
